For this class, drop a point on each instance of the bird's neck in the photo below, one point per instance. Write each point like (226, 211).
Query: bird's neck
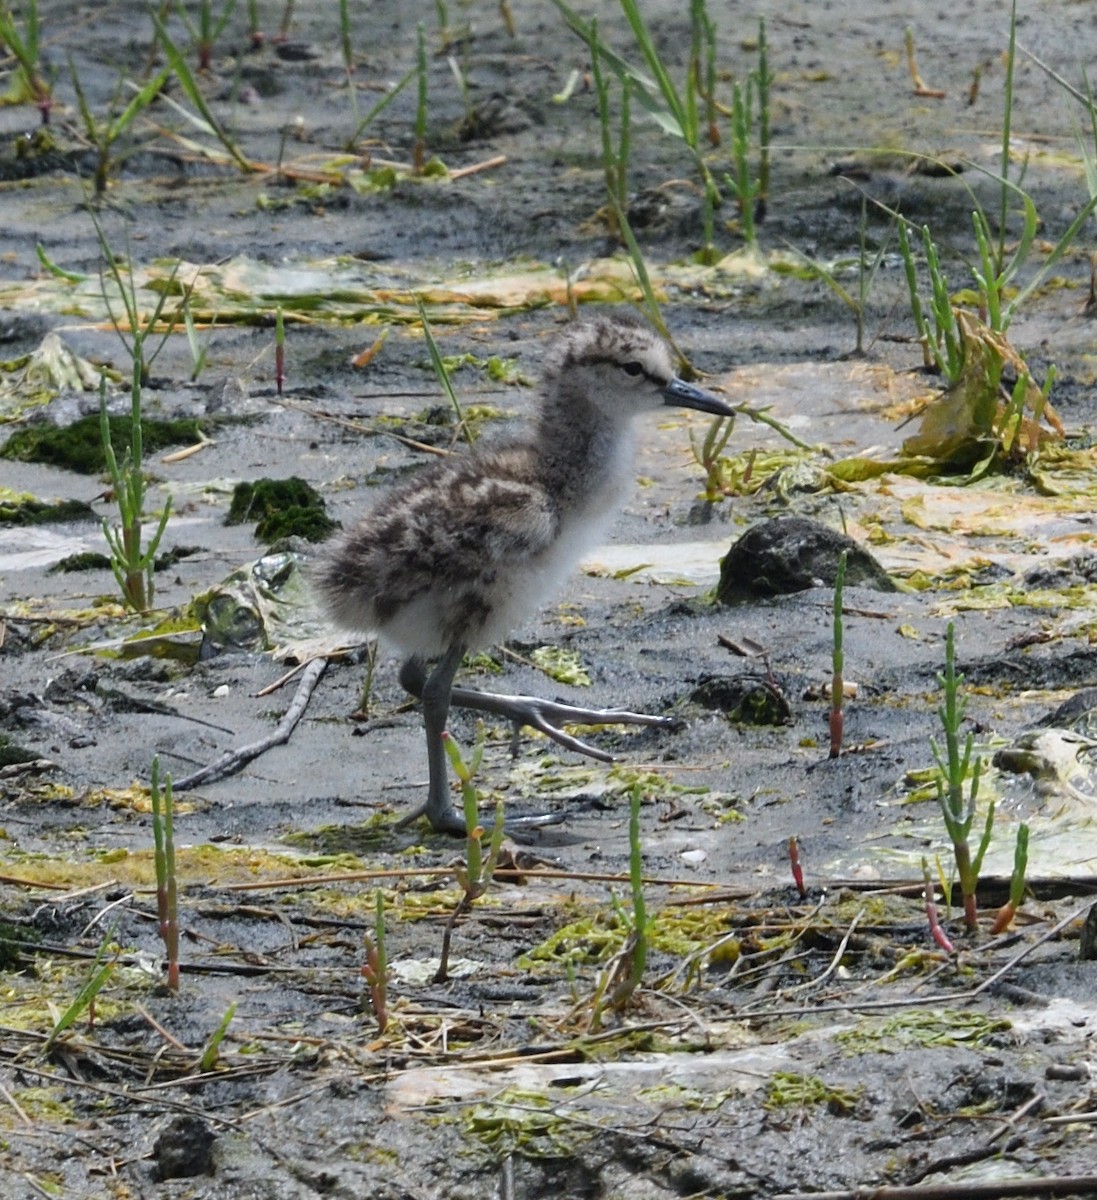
(583, 453)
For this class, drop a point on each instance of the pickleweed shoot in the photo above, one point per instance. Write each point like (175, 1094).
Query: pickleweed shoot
(938, 333)
(167, 893)
(748, 181)
(741, 182)
(837, 679)
(286, 23)
(207, 29)
(707, 454)
(796, 866)
(1012, 906)
(211, 1050)
(375, 970)
(764, 79)
(959, 770)
(132, 562)
(475, 875)
(279, 350)
(255, 27)
(702, 65)
(935, 929)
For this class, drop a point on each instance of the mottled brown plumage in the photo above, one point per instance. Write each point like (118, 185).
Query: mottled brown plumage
(459, 554)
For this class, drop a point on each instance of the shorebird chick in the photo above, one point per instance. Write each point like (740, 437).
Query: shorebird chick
(452, 559)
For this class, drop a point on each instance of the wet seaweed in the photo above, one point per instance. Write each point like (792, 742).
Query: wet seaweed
(79, 447)
(281, 508)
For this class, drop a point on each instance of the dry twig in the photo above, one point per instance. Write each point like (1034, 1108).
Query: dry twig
(234, 760)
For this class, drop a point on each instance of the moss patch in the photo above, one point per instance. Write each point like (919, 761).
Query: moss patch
(79, 446)
(26, 510)
(89, 560)
(281, 508)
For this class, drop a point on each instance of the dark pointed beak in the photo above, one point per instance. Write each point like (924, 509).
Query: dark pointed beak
(685, 395)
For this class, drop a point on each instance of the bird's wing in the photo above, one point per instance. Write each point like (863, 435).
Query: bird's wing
(444, 528)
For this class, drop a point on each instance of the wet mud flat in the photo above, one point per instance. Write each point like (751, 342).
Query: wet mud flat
(781, 1044)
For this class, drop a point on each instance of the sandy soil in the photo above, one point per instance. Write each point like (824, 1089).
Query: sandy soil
(496, 1079)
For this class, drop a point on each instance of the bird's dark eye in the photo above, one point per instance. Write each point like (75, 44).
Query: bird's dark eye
(632, 368)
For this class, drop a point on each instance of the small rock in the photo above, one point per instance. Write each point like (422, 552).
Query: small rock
(297, 51)
(792, 554)
(184, 1147)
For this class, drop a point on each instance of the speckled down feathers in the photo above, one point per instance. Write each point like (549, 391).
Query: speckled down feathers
(430, 554)
(471, 545)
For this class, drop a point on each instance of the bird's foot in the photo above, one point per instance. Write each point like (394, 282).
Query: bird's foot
(449, 820)
(548, 716)
(446, 821)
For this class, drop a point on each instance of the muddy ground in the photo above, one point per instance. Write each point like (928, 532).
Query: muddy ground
(781, 1045)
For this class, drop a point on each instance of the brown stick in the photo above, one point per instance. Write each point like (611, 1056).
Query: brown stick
(234, 760)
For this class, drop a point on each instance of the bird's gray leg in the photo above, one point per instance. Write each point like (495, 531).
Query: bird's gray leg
(435, 690)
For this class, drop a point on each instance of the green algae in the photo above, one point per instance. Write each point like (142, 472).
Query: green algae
(79, 447)
(923, 1027)
(597, 936)
(519, 1121)
(281, 508)
(89, 560)
(21, 509)
(561, 665)
(328, 844)
(786, 1089)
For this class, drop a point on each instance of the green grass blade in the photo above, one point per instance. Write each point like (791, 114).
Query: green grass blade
(54, 269)
(208, 1059)
(144, 97)
(380, 107)
(651, 55)
(93, 985)
(442, 374)
(189, 84)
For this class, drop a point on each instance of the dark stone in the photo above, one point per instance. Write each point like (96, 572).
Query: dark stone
(792, 554)
(184, 1148)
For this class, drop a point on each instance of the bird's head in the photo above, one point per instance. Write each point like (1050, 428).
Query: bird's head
(619, 363)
